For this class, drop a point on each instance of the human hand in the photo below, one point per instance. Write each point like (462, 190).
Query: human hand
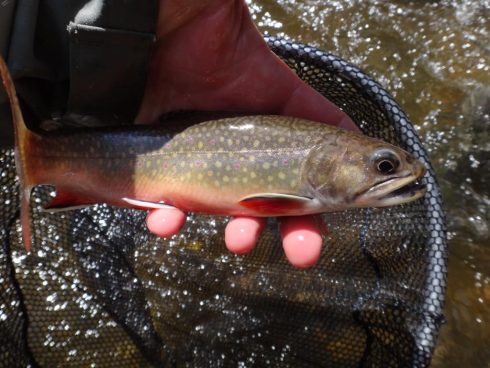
(301, 236)
(210, 56)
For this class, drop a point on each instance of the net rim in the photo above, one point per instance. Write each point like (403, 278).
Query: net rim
(408, 139)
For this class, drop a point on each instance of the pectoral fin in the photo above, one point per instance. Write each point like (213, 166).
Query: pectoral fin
(275, 203)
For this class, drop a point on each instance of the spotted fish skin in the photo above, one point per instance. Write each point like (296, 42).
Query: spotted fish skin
(213, 165)
(208, 167)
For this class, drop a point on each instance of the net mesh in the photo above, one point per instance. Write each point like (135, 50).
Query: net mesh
(99, 290)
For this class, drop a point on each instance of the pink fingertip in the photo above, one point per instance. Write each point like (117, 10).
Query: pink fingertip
(165, 222)
(301, 240)
(241, 234)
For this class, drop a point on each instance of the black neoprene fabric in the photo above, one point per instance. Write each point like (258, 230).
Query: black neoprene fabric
(79, 57)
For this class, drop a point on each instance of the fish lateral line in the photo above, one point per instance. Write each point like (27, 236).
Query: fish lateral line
(171, 153)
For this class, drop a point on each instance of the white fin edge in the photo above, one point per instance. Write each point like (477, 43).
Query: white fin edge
(277, 196)
(146, 204)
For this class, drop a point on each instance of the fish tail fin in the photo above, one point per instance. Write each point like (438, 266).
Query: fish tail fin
(22, 136)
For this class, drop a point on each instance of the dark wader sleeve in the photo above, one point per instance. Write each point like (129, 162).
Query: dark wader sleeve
(78, 61)
(6, 18)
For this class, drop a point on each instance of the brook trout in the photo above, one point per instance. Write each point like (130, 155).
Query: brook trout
(247, 165)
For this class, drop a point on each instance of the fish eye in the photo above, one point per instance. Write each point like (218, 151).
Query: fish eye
(386, 162)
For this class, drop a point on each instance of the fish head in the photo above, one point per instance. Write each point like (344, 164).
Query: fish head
(364, 172)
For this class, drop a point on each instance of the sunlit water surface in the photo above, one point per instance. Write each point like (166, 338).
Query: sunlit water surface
(434, 57)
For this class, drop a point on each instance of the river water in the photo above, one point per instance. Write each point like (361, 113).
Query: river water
(434, 57)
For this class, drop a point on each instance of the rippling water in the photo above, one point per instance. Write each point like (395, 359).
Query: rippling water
(434, 57)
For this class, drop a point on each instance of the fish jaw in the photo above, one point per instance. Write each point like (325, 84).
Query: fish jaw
(393, 191)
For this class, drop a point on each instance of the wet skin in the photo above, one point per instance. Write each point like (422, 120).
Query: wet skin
(210, 56)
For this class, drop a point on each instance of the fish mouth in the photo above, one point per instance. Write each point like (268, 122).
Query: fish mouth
(393, 192)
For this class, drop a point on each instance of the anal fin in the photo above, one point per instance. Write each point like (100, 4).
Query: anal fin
(66, 200)
(145, 205)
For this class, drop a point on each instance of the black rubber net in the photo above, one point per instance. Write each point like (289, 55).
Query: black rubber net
(99, 290)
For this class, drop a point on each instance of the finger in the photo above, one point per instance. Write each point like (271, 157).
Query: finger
(301, 240)
(165, 222)
(242, 233)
